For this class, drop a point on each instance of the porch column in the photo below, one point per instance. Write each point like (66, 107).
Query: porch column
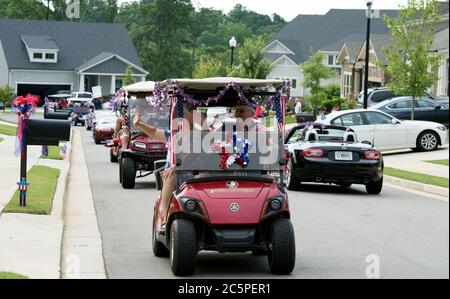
(81, 87)
(143, 79)
(113, 84)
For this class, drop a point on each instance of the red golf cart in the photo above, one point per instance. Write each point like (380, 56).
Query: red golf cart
(229, 195)
(138, 160)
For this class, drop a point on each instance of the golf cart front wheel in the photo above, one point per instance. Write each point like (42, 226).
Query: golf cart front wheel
(128, 173)
(183, 247)
(281, 253)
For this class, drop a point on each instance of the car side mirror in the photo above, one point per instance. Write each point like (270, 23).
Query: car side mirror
(367, 142)
(395, 121)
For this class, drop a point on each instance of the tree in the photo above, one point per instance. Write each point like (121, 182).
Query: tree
(6, 95)
(412, 68)
(313, 73)
(209, 67)
(252, 61)
(128, 76)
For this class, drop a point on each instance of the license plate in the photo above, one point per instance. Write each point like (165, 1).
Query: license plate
(156, 147)
(344, 156)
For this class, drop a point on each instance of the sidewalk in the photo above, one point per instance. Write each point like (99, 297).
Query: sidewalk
(415, 162)
(30, 245)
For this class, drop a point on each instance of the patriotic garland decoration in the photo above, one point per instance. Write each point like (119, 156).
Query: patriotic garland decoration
(24, 107)
(240, 147)
(23, 186)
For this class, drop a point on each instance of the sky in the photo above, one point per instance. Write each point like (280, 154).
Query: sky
(289, 9)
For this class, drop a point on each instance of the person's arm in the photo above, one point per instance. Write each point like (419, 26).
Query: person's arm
(150, 131)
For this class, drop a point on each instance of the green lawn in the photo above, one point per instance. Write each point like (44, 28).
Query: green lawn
(9, 275)
(8, 121)
(439, 162)
(53, 153)
(40, 193)
(8, 130)
(417, 177)
(1, 139)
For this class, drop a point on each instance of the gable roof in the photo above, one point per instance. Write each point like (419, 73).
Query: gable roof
(317, 32)
(380, 41)
(106, 62)
(39, 42)
(77, 42)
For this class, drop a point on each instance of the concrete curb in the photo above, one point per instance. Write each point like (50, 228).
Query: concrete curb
(436, 190)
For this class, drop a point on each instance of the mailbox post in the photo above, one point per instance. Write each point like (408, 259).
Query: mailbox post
(35, 132)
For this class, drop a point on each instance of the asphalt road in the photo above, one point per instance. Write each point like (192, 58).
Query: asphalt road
(336, 231)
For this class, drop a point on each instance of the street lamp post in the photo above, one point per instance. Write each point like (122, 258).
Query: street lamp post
(366, 72)
(233, 44)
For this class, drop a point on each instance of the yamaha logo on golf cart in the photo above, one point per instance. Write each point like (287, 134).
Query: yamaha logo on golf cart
(234, 207)
(232, 184)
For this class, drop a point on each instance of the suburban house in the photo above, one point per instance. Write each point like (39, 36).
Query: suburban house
(294, 43)
(440, 45)
(353, 54)
(352, 58)
(42, 57)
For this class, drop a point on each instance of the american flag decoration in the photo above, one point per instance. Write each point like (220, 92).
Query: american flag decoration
(280, 105)
(23, 186)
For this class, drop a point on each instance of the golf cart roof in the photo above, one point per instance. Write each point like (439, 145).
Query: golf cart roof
(220, 82)
(148, 86)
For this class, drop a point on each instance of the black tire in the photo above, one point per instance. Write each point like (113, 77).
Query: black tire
(159, 250)
(120, 171)
(128, 173)
(183, 247)
(113, 158)
(375, 188)
(97, 141)
(292, 181)
(427, 142)
(281, 253)
(88, 128)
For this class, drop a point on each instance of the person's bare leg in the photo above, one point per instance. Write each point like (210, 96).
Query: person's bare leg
(169, 186)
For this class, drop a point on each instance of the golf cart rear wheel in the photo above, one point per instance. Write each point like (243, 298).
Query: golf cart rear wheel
(183, 247)
(128, 173)
(375, 188)
(113, 158)
(281, 253)
(159, 250)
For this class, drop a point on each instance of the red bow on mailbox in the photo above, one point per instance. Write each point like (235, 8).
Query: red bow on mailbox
(24, 106)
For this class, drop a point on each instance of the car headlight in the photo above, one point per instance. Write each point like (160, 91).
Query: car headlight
(276, 203)
(442, 128)
(140, 145)
(191, 205)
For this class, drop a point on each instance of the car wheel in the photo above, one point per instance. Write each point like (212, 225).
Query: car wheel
(427, 141)
(120, 171)
(281, 253)
(112, 157)
(375, 188)
(128, 173)
(88, 128)
(159, 250)
(183, 247)
(291, 180)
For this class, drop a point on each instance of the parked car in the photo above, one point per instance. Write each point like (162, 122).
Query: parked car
(381, 94)
(332, 155)
(104, 128)
(425, 109)
(81, 97)
(387, 132)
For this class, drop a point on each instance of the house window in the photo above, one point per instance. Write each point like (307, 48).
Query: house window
(37, 55)
(50, 56)
(347, 86)
(331, 59)
(294, 83)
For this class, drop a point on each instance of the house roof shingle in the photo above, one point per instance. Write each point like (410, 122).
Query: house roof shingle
(77, 42)
(316, 32)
